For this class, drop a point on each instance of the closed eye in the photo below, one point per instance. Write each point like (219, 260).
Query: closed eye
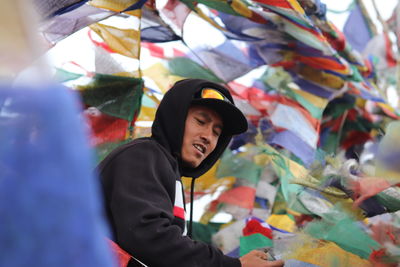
(217, 133)
(199, 121)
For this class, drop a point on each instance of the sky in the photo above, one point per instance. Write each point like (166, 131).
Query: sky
(385, 8)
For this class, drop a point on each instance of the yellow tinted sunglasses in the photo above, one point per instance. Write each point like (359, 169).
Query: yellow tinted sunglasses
(214, 94)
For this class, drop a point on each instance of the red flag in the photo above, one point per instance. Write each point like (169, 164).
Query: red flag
(242, 196)
(254, 226)
(367, 187)
(123, 257)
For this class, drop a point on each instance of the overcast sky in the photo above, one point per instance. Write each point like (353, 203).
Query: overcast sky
(385, 8)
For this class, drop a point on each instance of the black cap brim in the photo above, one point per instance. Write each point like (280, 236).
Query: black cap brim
(234, 120)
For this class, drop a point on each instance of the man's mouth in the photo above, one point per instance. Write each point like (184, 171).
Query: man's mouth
(200, 148)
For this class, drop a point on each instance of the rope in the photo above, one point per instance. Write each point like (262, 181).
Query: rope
(349, 8)
(191, 209)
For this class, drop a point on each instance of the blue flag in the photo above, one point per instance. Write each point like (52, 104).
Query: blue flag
(356, 30)
(50, 205)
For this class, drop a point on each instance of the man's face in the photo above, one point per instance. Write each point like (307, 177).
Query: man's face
(202, 129)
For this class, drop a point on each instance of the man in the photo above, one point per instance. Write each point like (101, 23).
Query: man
(141, 180)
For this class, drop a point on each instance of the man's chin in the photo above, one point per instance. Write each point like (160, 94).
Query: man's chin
(191, 164)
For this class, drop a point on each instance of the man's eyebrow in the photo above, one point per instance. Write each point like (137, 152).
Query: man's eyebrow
(205, 115)
(208, 118)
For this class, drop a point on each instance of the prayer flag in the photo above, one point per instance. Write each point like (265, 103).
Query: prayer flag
(356, 29)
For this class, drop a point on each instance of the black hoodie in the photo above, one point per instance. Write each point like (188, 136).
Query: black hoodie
(143, 191)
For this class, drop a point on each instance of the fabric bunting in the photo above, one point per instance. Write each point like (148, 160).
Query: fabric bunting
(293, 143)
(69, 8)
(268, 53)
(288, 118)
(254, 241)
(59, 27)
(287, 169)
(159, 51)
(266, 191)
(326, 254)
(255, 225)
(64, 76)
(227, 68)
(313, 88)
(284, 6)
(186, 67)
(380, 47)
(235, 7)
(242, 29)
(346, 233)
(47, 8)
(238, 166)
(138, 5)
(161, 76)
(176, 12)
(106, 129)
(281, 221)
(242, 196)
(204, 232)
(124, 92)
(356, 23)
(309, 38)
(315, 105)
(154, 29)
(320, 155)
(124, 42)
(107, 63)
(158, 34)
(149, 106)
(325, 63)
(333, 80)
(209, 182)
(118, 6)
(337, 40)
(296, 24)
(364, 91)
(229, 49)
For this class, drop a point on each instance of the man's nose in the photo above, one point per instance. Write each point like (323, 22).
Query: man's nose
(207, 134)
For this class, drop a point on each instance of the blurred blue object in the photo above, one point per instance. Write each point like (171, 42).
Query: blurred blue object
(356, 29)
(50, 206)
(234, 253)
(297, 263)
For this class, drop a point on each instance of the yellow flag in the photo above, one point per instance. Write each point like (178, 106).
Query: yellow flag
(327, 254)
(296, 6)
(317, 101)
(241, 8)
(113, 5)
(161, 76)
(209, 182)
(147, 114)
(282, 221)
(321, 77)
(123, 41)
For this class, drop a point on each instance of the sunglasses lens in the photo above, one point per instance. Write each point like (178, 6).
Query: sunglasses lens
(211, 93)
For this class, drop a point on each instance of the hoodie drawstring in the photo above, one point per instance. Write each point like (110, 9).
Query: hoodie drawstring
(191, 208)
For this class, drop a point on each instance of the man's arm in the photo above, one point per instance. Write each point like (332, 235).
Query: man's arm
(141, 204)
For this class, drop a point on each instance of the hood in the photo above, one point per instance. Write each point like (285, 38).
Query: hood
(169, 123)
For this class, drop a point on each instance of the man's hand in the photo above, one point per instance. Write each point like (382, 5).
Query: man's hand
(258, 258)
